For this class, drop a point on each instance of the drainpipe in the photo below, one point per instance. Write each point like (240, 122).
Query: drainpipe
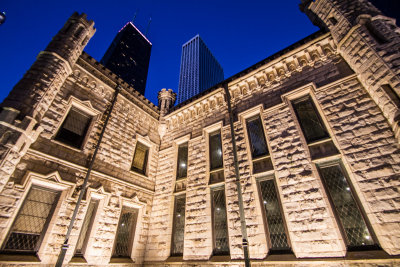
(65, 245)
(239, 189)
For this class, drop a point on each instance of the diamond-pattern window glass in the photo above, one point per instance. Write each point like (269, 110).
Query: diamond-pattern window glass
(73, 129)
(182, 161)
(273, 213)
(310, 121)
(125, 232)
(257, 138)
(31, 222)
(139, 163)
(215, 150)
(221, 243)
(350, 217)
(179, 226)
(86, 227)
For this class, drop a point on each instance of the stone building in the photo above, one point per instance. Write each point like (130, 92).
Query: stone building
(315, 146)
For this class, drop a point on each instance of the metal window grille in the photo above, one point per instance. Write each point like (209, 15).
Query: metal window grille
(31, 222)
(257, 138)
(73, 129)
(86, 227)
(215, 150)
(310, 121)
(355, 228)
(125, 232)
(273, 213)
(179, 226)
(182, 161)
(220, 233)
(139, 163)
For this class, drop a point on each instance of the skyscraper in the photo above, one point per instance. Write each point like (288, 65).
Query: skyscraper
(128, 56)
(199, 69)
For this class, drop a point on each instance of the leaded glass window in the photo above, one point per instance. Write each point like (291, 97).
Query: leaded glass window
(125, 232)
(216, 161)
(257, 138)
(31, 222)
(220, 233)
(179, 226)
(310, 121)
(74, 128)
(274, 217)
(139, 163)
(348, 212)
(86, 227)
(181, 171)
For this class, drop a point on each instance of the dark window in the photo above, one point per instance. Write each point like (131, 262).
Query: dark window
(274, 217)
(333, 21)
(139, 163)
(179, 226)
(347, 211)
(310, 121)
(74, 128)
(182, 161)
(31, 222)
(86, 227)
(215, 151)
(257, 138)
(220, 233)
(125, 232)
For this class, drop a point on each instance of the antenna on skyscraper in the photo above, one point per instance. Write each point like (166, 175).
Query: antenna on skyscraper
(134, 16)
(148, 26)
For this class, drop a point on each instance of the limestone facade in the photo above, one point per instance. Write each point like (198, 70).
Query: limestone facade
(349, 71)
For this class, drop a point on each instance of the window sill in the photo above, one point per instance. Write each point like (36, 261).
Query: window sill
(121, 260)
(19, 258)
(78, 259)
(220, 258)
(66, 145)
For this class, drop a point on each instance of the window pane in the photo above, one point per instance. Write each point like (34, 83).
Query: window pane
(87, 224)
(276, 228)
(30, 223)
(73, 129)
(309, 119)
(221, 244)
(179, 226)
(139, 163)
(182, 161)
(257, 139)
(355, 228)
(215, 151)
(125, 232)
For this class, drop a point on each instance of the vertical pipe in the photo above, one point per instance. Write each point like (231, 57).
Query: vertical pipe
(239, 189)
(65, 245)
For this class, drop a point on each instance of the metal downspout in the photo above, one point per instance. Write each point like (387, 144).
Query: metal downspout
(239, 189)
(65, 245)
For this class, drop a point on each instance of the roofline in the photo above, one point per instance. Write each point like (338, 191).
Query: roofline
(130, 22)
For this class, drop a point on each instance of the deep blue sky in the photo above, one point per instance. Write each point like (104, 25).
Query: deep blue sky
(239, 33)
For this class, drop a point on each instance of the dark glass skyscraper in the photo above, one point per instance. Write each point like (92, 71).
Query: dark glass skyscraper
(129, 56)
(199, 69)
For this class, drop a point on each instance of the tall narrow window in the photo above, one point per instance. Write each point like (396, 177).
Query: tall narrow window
(220, 227)
(125, 232)
(74, 128)
(181, 171)
(348, 212)
(313, 128)
(216, 160)
(31, 222)
(259, 150)
(139, 163)
(86, 227)
(275, 222)
(179, 226)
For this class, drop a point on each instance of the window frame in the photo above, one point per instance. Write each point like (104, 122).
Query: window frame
(174, 225)
(264, 215)
(206, 134)
(212, 189)
(38, 245)
(145, 170)
(132, 237)
(177, 161)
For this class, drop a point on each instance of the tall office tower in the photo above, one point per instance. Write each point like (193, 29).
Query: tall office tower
(129, 56)
(199, 69)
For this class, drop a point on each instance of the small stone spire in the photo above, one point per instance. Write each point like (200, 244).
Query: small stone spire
(166, 100)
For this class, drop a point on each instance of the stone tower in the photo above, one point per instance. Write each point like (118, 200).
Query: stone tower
(166, 100)
(369, 42)
(30, 98)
